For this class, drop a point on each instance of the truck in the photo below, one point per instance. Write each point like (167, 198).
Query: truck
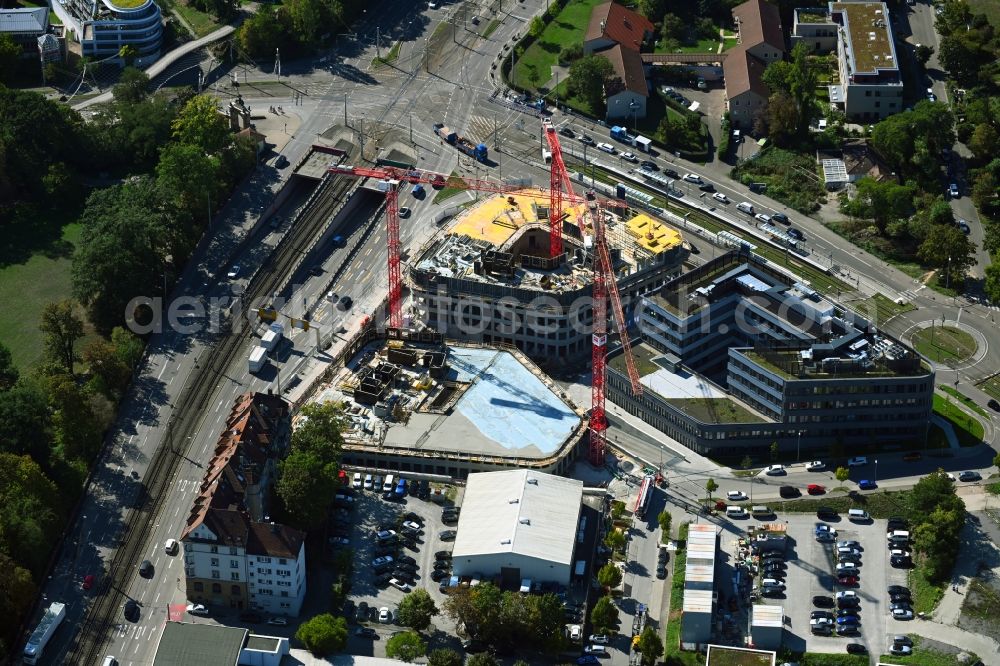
(40, 637)
(258, 359)
(272, 337)
(622, 135)
(477, 151)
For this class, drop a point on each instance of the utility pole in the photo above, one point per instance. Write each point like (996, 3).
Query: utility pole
(378, 42)
(277, 62)
(411, 128)
(345, 111)
(362, 141)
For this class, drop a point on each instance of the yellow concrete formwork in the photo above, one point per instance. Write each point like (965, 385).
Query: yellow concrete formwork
(652, 235)
(496, 220)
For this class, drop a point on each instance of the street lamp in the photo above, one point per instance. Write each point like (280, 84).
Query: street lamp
(798, 447)
(875, 478)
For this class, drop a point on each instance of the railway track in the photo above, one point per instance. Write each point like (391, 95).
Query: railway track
(103, 614)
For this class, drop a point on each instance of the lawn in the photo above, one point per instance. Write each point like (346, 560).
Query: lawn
(715, 410)
(924, 657)
(791, 178)
(643, 357)
(447, 192)
(729, 42)
(964, 399)
(926, 594)
(701, 46)
(534, 68)
(989, 7)
(494, 24)
(968, 429)
(389, 57)
(880, 309)
(201, 22)
(879, 504)
(942, 344)
(28, 284)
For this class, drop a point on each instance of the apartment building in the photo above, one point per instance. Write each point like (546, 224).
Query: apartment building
(618, 34)
(870, 84)
(740, 356)
(762, 42)
(234, 555)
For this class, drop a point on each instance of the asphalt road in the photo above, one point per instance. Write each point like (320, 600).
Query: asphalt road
(456, 93)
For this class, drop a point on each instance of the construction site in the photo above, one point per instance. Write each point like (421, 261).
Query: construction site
(488, 276)
(418, 405)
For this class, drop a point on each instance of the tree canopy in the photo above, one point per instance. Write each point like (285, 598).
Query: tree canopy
(793, 85)
(509, 619)
(405, 646)
(308, 478)
(587, 77)
(323, 634)
(416, 609)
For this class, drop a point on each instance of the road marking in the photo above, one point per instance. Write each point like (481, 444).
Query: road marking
(162, 369)
(157, 599)
(220, 405)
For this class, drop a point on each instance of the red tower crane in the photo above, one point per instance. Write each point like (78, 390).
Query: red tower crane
(558, 177)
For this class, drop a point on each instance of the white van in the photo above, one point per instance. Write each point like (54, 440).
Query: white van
(109, 661)
(734, 511)
(857, 515)
(898, 536)
(607, 148)
(745, 207)
(772, 583)
(387, 485)
(760, 510)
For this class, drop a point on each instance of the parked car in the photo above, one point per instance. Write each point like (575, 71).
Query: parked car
(234, 272)
(867, 484)
(856, 648)
(196, 609)
(815, 489)
(898, 589)
(439, 575)
(903, 613)
(969, 476)
(442, 555)
(823, 601)
(857, 461)
(847, 580)
(993, 404)
(900, 650)
(88, 581)
(815, 466)
(362, 614)
(448, 535)
(384, 615)
(720, 197)
(366, 632)
(736, 495)
(789, 491)
(774, 470)
(278, 622)
(953, 188)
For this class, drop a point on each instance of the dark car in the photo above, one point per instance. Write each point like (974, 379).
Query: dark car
(898, 589)
(706, 187)
(815, 615)
(442, 565)
(406, 566)
(362, 614)
(823, 601)
(670, 173)
(346, 303)
(382, 580)
(661, 572)
(281, 162)
(781, 217)
(566, 131)
(442, 555)
(650, 166)
(131, 610)
(439, 575)
(826, 513)
(372, 614)
(448, 535)
(366, 632)
(856, 648)
(146, 569)
(789, 491)
(473, 646)
(406, 559)
(848, 602)
(253, 618)
(994, 405)
(796, 234)
(899, 598)
(390, 496)
(867, 484)
(587, 141)
(895, 523)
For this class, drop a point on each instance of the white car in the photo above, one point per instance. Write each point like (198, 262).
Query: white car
(900, 650)
(384, 615)
(762, 218)
(847, 594)
(399, 585)
(404, 211)
(357, 480)
(233, 272)
(902, 613)
(385, 535)
(411, 525)
(815, 466)
(692, 178)
(171, 547)
(719, 196)
(382, 561)
(774, 470)
(197, 609)
(278, 622)
(736, 495)
(368, 481)
(857, 461)
(599, 639)
(606, 148)
(630, 157)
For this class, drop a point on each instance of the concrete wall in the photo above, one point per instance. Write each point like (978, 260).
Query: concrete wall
(529, 567)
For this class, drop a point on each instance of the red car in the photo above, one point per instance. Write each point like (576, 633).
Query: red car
(848, 580)
(815, 489)
(88, 581)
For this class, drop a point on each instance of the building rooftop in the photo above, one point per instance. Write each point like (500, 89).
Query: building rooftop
(187, 644)
(699, 570)
(759, 23)
(868, 35)
(619, 24)
(455, 400)
(719, 655)
(627, 65)
(24, 19)
(767, 616)
(654, 237)
(519, 511)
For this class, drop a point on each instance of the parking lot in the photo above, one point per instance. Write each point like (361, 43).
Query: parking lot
(812, 572)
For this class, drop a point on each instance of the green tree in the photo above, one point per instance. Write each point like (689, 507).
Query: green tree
(543, 622)
(796, 79)
(128, 54)
(985, 142)
(654, 10)
(444, 657)
(882, 202)
(842, 474)
(746, 463)
(111, 373)
(10, 55)
(132, 86)
(25, 422)
(536, 27)
(664, 520)
(187, 176)
(923, 53)
(949, 249)
(586, 80)
(61, 328)
(932, 491)
(773, 451)
(710, 487)
(323, 634)
(8, 371)
(200, 124)
(303, 478)
(482, 659)
(416, 610)
(673, 28)
(996, 460)
(615, 540)
(962, 54)
(991, 283)
(75, 427)
(306, 19)
(31, 512)
(650, 646)
(604, 616)
(405, 646)
(263, 32)
(609, 576)
(617, 509)
(17, 592)
(911, 141)
(129, 347)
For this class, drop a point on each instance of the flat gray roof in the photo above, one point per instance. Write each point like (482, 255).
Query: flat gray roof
(186, 644)
(519, 511)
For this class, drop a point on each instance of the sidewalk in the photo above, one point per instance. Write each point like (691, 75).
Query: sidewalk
(987, 648)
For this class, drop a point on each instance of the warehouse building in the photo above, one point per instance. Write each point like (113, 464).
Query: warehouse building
(519, 525)
(767, 624)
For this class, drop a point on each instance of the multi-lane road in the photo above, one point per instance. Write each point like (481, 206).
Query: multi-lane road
(382, 104)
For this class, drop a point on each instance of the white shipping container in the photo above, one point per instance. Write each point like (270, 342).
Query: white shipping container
(258, 359)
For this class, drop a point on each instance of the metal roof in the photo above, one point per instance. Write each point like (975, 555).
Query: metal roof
(185, 644)
(698, 601)
(519, 511)
(24, 19)
(699, 570)
(768, 616)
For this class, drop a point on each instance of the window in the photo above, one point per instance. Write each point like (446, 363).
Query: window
(215, 573)
(234, 564)
(215, 561)
(214, 549)
(282, 561)
(264, 560)
(234, 575)
(236, 591)
(284, 593)
(199, 587)
(216, 588)
(232, 550)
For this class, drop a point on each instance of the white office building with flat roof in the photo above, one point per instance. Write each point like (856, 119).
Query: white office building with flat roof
(518, 524)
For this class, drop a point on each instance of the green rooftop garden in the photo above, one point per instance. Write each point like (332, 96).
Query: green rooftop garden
(127, 4)
(715, 410)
